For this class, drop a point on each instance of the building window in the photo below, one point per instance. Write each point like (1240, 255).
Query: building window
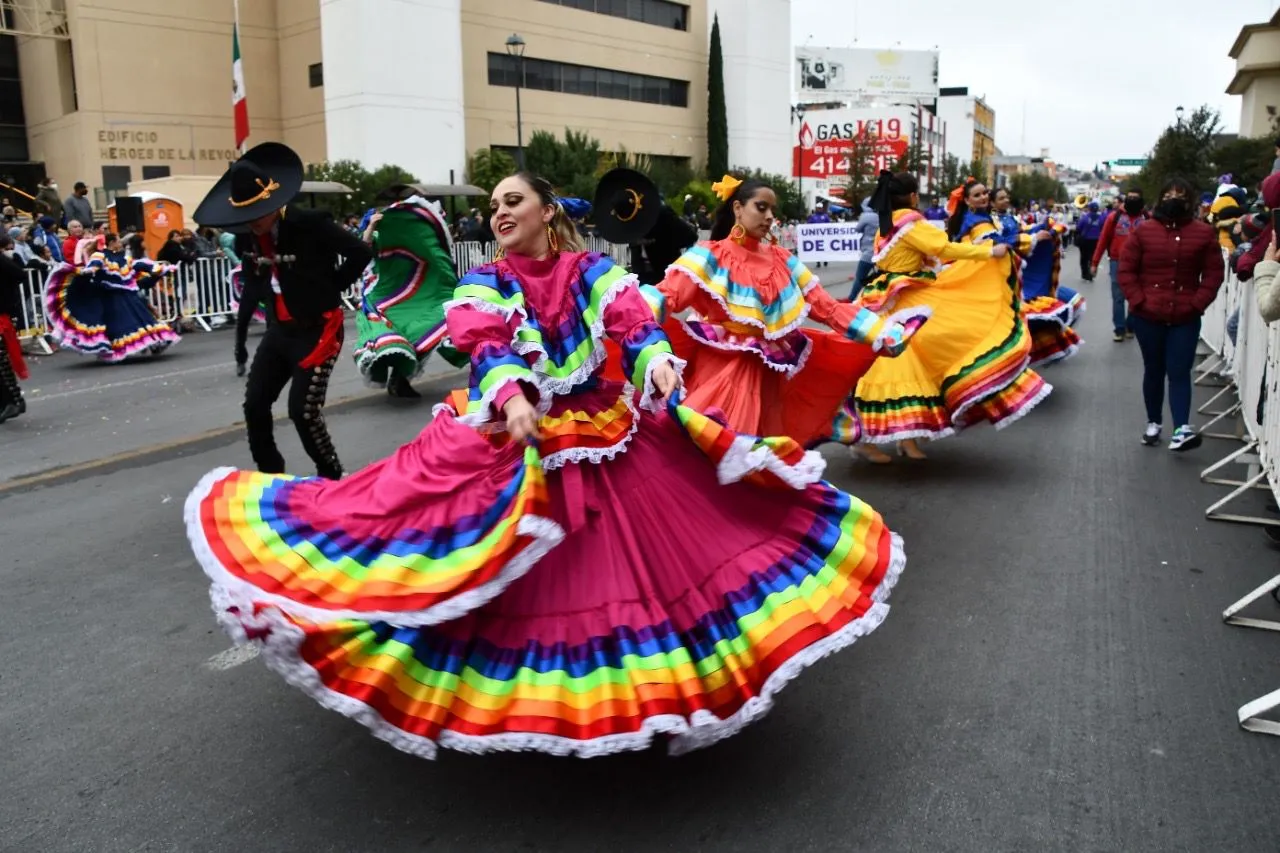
(149, 172)
(551, 76)
(315, 74)
(116, 177)
(660, 13)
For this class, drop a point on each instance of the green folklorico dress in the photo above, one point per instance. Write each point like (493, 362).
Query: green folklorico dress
(401, 317)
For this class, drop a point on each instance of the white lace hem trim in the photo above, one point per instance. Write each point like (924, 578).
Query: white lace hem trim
(742, 460)
(241, 593)
(788, 370)
(701, 729)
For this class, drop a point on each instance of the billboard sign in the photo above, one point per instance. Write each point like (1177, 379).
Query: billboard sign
(834, 73)
(829, 138)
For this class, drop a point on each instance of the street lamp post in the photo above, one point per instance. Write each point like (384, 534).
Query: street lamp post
(515, 48)
(1179, 113)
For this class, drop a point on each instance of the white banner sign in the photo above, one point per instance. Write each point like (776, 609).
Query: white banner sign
(834, 73)
(828, 241)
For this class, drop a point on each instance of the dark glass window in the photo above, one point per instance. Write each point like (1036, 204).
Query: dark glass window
(149, 172)
(315, 74)
(660, 13)
(116, 177)
(504, 70)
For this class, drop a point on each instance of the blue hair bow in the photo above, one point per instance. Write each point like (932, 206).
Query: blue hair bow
(575, 208)
(364, 220)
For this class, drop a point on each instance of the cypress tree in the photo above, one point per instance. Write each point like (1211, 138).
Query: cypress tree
(717, 119)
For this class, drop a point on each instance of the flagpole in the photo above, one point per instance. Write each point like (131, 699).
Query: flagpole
(235, 6)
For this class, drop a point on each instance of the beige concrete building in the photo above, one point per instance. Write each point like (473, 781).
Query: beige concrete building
(1257, 79)
(114, 91)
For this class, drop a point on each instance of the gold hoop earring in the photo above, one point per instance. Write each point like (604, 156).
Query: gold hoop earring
(737, 233)
(553, 241)
(500, 254)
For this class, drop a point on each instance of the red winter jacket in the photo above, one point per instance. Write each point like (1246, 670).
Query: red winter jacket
(1171, 270)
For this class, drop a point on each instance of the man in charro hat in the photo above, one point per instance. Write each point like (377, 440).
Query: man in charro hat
(290, 258)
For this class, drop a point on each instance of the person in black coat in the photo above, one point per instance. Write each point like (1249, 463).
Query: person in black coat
(12, 366)
(290, 264)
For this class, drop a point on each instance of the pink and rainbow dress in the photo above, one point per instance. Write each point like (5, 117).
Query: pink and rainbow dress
(641, 570)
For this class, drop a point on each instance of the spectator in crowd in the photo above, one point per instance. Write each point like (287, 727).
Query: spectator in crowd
(1115, 233)
(22, 248)
(47, 202)
(75, 231)
(1088, 231)
(201, 242)
(12, 278)
(227, 243)
(1271, 199)
(935, 212)
(45, 234)
(1275, 164)
(1170, 271)
(818, 217)
(7, 211)
(1266, 278)
(868, 225)
(174, 251)
(77, 205)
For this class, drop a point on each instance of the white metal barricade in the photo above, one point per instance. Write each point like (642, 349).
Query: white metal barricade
(1254, 364)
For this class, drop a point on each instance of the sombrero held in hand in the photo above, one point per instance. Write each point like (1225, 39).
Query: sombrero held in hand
(264, 180)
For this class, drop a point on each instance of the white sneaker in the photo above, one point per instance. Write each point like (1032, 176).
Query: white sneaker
(1184, 438)
(1151, 437)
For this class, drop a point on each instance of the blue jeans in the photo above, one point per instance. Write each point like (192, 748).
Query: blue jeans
(860, 278)
(1168, 352)
(1117, 301)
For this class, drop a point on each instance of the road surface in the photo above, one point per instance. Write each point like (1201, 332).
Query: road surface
(1053, 676)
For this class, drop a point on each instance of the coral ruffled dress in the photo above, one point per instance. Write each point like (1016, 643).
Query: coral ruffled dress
(747, 354)
(639, 571)
(97, 309)
(969, 364)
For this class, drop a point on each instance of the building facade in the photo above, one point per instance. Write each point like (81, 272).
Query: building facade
(971, 125)
(121, 90)
(1257, 79)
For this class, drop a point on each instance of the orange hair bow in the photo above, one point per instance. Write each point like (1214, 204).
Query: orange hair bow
(726, 187)
(957, 196)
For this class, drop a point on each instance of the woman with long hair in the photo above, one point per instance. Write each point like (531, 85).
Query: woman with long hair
(1049, 309)
(969, 363)
(1170, 271)
(747, 353)
(657, 600)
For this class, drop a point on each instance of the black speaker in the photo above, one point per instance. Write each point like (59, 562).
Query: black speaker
(128, 213)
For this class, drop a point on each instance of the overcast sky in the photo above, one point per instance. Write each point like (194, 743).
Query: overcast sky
(1096, 80)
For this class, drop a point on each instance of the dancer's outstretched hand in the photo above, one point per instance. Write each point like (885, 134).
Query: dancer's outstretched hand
(666, 380)
(522, 419)
(892, 340)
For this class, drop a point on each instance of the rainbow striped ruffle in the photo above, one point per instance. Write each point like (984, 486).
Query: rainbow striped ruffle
(709, 265)
(376, 629)
(236, 279)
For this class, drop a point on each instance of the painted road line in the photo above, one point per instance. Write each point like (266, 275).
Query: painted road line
(36, 397)
(232, 657)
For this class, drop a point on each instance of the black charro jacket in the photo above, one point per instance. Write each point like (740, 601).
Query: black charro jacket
(308, 246)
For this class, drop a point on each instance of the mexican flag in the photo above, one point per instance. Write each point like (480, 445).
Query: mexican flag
(238, 102)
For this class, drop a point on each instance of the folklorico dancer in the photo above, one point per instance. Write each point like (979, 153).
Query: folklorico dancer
(748, 354)
(97, 308)
(557, 562)
(969, 364)
(401, 317)
(290, 264)
(12, 368)
(981, 217)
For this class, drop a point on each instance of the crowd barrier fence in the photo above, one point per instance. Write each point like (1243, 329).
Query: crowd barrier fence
(1248, 370)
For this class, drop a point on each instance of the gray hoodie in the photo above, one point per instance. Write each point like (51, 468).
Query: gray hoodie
(868, 225)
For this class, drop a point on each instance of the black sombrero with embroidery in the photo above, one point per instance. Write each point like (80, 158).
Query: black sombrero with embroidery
(265, 179)
(626, 206)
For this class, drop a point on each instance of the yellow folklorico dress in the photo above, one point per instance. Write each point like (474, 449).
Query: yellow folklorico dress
(967, 365)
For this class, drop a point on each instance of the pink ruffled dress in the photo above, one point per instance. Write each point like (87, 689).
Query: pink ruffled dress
(641, 570)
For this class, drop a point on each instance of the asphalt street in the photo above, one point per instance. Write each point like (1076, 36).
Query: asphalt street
(1054, 674)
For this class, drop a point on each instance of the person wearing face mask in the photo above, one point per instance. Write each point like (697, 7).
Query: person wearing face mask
(1170, 272)
(557, 562)
(1048, 313)
(748, 355)
(1115, 232)
(1271, 200)
(969, 364)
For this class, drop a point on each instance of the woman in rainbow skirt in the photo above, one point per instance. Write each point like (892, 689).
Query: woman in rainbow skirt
(515, 577)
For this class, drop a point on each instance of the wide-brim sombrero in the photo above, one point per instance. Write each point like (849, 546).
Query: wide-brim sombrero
(265, 179)
(626, 206)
